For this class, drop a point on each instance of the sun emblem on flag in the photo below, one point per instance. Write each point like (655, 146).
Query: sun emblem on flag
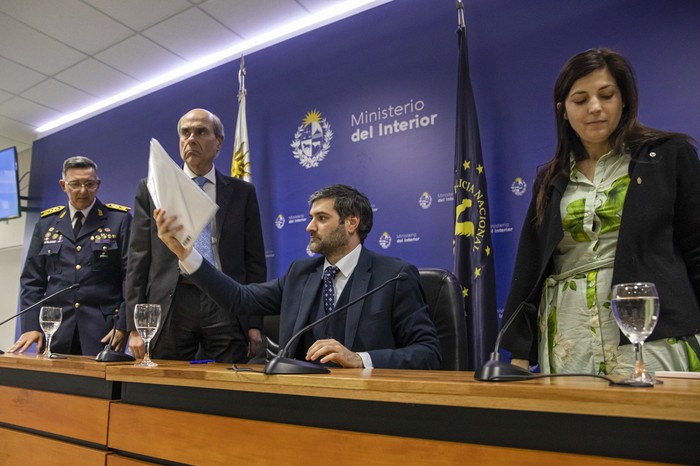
(241, 162)
(312, 140)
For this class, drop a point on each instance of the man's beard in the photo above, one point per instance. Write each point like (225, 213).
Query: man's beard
(331, 243)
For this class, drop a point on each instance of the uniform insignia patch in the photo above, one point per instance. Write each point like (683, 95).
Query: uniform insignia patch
(52, 210)
(118, 207)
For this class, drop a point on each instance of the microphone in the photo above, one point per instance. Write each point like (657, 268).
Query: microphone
(110, 355)
(495, 370)
(74, 286)
(281, 364)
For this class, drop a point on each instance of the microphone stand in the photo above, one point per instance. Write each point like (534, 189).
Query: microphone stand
(496, 370)
(110, 355)
(281, 364)
(38, 303)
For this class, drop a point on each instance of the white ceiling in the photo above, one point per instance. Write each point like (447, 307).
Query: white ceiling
(59, 56)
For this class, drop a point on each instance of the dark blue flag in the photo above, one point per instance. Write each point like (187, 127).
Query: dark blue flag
(473, 253)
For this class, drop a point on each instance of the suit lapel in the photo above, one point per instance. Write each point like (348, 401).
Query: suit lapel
(360, 283)
(63, 224)
(223, 192)
(310, 291)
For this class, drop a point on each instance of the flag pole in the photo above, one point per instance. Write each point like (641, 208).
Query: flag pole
(241, 79)
(240, 163)
(460, 15)
(473, 252)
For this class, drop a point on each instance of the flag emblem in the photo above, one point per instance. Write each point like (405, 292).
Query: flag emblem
(312, 140)
(385, 240)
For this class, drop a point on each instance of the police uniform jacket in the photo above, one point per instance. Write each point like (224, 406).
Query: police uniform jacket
(96, 259)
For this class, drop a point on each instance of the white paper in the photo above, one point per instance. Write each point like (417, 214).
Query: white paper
(174, 191)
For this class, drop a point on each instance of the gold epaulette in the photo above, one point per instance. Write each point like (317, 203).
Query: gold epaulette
(121, 208)
(52, 210)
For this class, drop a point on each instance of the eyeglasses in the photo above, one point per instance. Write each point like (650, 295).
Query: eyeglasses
(91, 185)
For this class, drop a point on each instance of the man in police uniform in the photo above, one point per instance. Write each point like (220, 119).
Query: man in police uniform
(85, 243)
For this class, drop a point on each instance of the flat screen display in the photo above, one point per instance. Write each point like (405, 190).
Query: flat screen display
(9, 184)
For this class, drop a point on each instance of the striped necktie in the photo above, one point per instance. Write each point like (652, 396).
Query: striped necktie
(203, 241)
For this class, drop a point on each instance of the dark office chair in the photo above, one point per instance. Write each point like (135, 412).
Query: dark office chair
(271, 335)
(270, 338)
(446, 307)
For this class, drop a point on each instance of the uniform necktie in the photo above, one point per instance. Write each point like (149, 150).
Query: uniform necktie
(203, 241)
(328, 288)
(78, 223)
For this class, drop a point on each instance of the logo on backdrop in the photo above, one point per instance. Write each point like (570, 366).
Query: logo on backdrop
(425, 200)
(312, 141)
(279, 221)
(518, 187)
(385, 240)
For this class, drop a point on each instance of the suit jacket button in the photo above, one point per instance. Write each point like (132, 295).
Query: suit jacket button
(77, 267)
(78, 248)
(77, 305)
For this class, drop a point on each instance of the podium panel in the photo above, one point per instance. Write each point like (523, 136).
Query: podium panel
(179, 412)
(193, 438)
(23, 448)
(55, 404)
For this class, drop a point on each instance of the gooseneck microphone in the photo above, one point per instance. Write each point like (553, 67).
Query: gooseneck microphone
(495, 370)
(110, 355)
(74, 286)
(281, 364)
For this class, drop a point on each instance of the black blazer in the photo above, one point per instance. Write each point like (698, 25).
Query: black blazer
(153, 272)
(659, 242)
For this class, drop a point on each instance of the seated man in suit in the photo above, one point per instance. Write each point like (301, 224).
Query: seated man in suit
(389, 329)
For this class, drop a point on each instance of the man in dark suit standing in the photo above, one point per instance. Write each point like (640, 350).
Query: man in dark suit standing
(389, 329)
(193, 326)
(85, 243)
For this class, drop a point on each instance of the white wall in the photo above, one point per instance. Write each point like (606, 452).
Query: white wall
(11, 251)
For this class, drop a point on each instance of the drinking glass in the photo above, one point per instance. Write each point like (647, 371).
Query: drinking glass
(147, 321)
(636, 309)
(49, 320)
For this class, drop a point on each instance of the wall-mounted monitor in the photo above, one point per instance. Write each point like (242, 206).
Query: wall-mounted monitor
(9, 184)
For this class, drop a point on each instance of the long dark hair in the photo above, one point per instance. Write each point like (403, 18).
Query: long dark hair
(629, 136)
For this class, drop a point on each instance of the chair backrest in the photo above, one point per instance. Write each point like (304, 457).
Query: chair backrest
(446, 307)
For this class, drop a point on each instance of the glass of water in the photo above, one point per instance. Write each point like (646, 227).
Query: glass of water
(636, 309)
(147, 321)
(49, 320)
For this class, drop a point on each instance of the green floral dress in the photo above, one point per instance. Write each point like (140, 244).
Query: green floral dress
(577, 329)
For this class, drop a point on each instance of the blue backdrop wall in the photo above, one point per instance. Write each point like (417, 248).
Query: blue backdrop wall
(370, 101)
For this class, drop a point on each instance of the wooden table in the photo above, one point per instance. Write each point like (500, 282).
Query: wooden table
(207, 414)
(53, 411)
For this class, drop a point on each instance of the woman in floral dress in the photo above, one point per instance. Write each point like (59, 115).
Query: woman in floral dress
(619, 202)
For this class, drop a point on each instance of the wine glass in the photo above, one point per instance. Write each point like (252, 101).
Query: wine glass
(147, 321)
(49, 320)
(636, 309)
